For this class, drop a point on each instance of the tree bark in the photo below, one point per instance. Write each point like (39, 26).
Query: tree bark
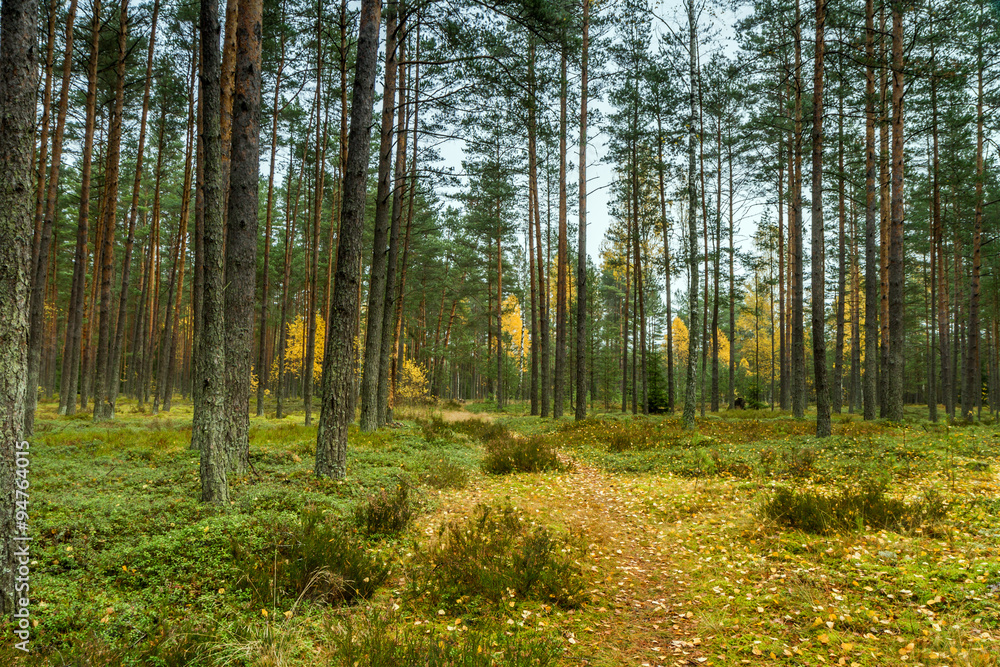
(387, 345)
(871, 224)
(973, 392)
(338, 375)
(581, 273)
(383, 204)
(818, 238)
(208, 433)
(562, 257)
(689, 388)
(795, 232)
(894, 392)
(241, 233)
(543, 288)
(18, 80)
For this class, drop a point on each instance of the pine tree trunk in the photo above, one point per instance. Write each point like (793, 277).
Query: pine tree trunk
(562, 258)
(18, 79)
(837, 386)
(666, 263)
(795, 232)
(241, 233)
(894, 393)
(818, 240)
(227, 82)
(715, 276)
(689, 389)
(973, 393)
(783, 375)
(581, 273)
(383, 205)
(338, 376)
(208, 433)
(543, 287)
(871, 224)
(387, 345)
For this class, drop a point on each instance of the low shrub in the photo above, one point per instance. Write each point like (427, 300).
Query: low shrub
(435, 428)
(800, 461)
(482, 430)
(386, 513)
(509, 454)
(313, 559)
(495, 554)
(444, 474)
(853, 509)
(382, 639)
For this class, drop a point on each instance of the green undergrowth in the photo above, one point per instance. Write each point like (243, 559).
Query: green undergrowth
(124, 549)
(498, 556)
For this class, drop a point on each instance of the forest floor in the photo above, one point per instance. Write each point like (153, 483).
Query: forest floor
(748, 541)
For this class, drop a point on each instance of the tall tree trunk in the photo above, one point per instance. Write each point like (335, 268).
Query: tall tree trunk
(783, 378)
(227, 82)
(973, 393)
(562, 259)
(884, 184)
(18, 79)
(103, 408)
(795, 232)
(732, 284)
(666, 263)
(871, 224)
(947, 370)
(894, 393)
(241, 233)
(208, 433)
(689, 388)
(581, 272)
(383, 205)
(715, 276)
(543, 286)
(837, 386)
(387, 345)
(338, 375)
(818, 237)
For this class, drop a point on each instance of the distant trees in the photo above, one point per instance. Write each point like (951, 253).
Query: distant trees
(707, 156)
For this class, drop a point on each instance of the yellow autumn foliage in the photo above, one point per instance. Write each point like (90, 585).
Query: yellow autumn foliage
(681, 342)
(512, 322)
(412, 380)
(295, 348)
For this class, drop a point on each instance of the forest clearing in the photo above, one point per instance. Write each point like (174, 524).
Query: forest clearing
(643, 544)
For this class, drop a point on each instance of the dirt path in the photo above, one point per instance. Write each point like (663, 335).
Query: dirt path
(638, 614)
